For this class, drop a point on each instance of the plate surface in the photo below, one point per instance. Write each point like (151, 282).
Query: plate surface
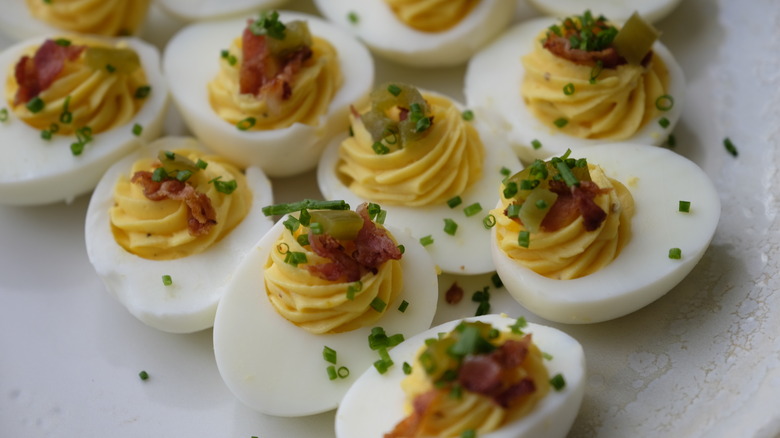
(701, 361)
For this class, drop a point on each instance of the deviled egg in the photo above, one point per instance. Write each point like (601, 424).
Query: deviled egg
(548, 96)
(425, 33)
(22, 19)
(271, 91)
(491, 376)
(167, 226)
(70, 108)
(323, 294)
(195, 10)
(432, 168)
(602, 231)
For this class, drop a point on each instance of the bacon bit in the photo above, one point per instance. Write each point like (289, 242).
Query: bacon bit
(36, 74)
(373, 247)
(201, 215)
(262, 73)
(561, 47)
(512, 395)
(409, 426)
(572, 203)
(454, 294)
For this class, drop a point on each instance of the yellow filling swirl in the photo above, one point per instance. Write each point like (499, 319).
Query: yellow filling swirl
(572, 252)
(313, 89)
(158, 230)
(431, 15)
(620, 101)
(321, 306)
(442, 164)
(453, 415)
(100, 17)
(95, 97)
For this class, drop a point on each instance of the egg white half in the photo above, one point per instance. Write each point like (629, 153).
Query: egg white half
(374, 404)
(657, 179)
(468, 251)
(276, 367)
(38, 171)
(191, 61)
(618, 10)
(492, 89)
(199, 280)
(385, 34)
(192, 10)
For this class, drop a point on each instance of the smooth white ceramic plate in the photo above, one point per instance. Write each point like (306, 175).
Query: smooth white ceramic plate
(701, 361)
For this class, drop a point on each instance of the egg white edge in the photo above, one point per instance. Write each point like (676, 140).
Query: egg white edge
(651, 11)
(281, 152)
(489, 97)
(277, 368)
(199, 280)
(195, 10)
(623, 286)
(51, 172)
(468, 251)
(374, 404)
(385, 34)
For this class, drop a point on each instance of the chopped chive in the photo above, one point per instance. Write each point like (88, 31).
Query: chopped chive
(496, 280)
(380, 218)
(450, 226)
(305, 217)
(472, 209)
(382, 366)
(316, 228)
(513, 211)
(536, 144)
(380, 149)
(283, 248)
(402, 249)
(137, 129)
(159, 174)
(664, 102)
(66, 116)
(143, 375)
(142, 92)
(353, 17)
(730, 147)
(547, 356)
(64, 42)
(664, 122)
(684, 207)
(378, 304)
(568, 89)
(329, 354)
(489, 221)
(226, 187)
(246, 124)
(183, 175)
(675, 253)
(524, 239)
(596, 71)
(167, 280)
(332, 375)
(504, 171)
(295, 258)
(292, 223)
(519, 325)
(566, 174)
(561, 122)
(46, 134)
(671, 141)
(393, 89)
(558, 382)
(35, 104)
(407, 369)
(404, 305)
(426, 240)
(343, 372)
(303, 240)
(3, 114)
(483, 308)
(468, 433)
(510, 189)
(468, 115)
(201, 164)
(454, 202)
(354, 288)
(311, 204)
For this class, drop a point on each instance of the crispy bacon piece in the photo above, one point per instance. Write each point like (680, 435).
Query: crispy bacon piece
(201, 215)
(263, 73)
(561, 47)
(454, 294)
(372, 245)
(420, 406)
(573, 202)
(36, 74)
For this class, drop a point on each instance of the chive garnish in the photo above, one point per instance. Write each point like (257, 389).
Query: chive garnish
(510, 189)
(143, 375)
(468, 115)
(329, 354)
(489, 221)
(426, 240)
(407, 369)
(310, 204)
(332, 375)
(35, 105)
(561, 122)
(454, 202)
(675, 253)
(269, 24)
(3, 114)
(524, 239)
(504, 171)
(378, 304)
(730, 147)
(450, 226)
(519, 325)
(568, 89)
(143, 91)
(403, 306)
(226, 187)
(380, 149)
(558, 382)
(353, 17)
(354, 288)
(167, 280)
(664, 122)
(496, 280)
(472, 209)
(246, 124)
(468, 433)
(684, 207)
(343, 372)
(137, 129)
(201, 164)
(536, 144)
(393, 89)
(664, 102)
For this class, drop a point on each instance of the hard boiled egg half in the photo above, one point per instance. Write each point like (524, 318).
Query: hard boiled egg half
(652, 10)
(454, 229)
(495, 95)
(278, 367)
(31, 18)
(176, 291)
(675, 212)
(193, 10)
(421, 33)
(40, 163)
(202, 51)
(376, 402)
